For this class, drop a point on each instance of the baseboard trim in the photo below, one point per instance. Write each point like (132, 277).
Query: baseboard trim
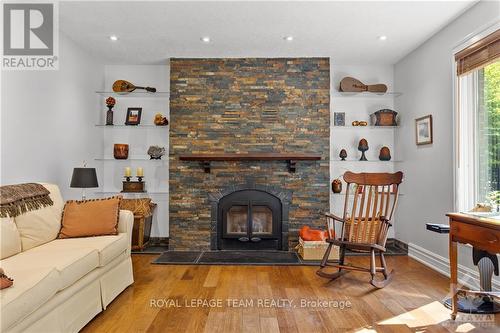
(466, 276)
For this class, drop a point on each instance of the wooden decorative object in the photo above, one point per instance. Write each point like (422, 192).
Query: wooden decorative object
(133, 186)
(365, 223)
(350, 84)
(384, 117)
(385, 154)
(363, 147)
(343, 155)
(120, 151)
(336, 186)
(122, 86)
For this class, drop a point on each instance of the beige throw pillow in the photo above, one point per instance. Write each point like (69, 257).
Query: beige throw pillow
(86, 218)
(42, 225)
(10, 240)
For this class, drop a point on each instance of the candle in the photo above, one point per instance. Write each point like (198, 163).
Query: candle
(140, 172)
(128, 172)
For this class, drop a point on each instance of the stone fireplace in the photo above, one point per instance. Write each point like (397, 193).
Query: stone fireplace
(241, 106)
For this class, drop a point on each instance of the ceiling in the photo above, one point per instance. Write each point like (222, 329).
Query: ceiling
(151, 32)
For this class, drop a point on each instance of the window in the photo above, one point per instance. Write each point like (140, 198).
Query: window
(478, 130)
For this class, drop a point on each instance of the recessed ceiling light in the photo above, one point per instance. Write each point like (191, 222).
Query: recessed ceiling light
(113, 38)
(382, 37)
(205, 39)
(288, 38)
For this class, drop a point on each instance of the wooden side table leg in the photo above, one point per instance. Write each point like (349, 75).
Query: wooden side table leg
(453, 277)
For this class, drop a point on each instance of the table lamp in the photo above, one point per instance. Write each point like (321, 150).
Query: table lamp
(84, 178)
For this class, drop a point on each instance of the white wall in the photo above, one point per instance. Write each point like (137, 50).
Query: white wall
(359, 107)
(425, 78)
(47, 119)
(139, 138)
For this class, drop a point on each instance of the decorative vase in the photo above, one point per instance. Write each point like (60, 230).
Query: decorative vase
(343, 154)
(109, 115)
(120, 151)
(337, 186)
(362, 147)
(385, 154)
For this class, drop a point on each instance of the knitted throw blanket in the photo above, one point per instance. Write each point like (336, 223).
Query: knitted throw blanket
(18, 199)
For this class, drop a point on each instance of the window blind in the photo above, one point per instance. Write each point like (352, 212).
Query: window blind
(479, 54)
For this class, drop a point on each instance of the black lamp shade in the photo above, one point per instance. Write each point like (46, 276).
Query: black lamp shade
(84, 178)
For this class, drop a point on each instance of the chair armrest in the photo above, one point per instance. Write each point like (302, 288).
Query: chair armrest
(125, 225)
(334, 217)
(385, 220)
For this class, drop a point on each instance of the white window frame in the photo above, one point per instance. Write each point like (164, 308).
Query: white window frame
(465, 166)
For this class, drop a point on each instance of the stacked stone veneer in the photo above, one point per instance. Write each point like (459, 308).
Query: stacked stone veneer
(240, 106)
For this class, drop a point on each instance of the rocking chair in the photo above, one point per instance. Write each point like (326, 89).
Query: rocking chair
(365, 223)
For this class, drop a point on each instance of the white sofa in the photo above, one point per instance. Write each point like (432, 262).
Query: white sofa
(59, 284)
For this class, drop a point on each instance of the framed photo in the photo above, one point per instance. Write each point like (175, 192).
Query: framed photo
(423, 130)
(339, 118)
(133, 116)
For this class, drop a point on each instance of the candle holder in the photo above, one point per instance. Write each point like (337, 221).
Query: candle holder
(127, 178)
(139, 178)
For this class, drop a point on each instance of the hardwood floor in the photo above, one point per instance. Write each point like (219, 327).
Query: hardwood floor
(257, 299)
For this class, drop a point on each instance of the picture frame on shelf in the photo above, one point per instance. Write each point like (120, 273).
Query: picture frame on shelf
(423, 130)
(133, 116)
(339, 118)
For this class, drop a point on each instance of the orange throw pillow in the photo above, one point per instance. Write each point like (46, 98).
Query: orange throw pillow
(86, 218)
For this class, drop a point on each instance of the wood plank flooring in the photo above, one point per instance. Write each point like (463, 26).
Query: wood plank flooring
(282, 299)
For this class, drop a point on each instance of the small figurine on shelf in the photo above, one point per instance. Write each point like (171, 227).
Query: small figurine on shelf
(343, 154)
(385, 154)
(110, 102)
(160, 120)
(363, 147)
(337, 185)
(156, 152)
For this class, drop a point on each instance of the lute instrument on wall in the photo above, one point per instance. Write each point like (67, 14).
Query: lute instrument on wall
(122, 86)
(350, 84)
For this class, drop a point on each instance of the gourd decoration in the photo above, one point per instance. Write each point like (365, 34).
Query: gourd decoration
(363, 147)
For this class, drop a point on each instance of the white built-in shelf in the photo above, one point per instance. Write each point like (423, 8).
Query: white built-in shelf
(366, 94)
(135, 94)
(145, 192)
(364, 127)
(105, 159)
(145, 126)
(369, 161)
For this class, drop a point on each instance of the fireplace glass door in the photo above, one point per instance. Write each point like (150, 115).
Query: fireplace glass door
(249, 220)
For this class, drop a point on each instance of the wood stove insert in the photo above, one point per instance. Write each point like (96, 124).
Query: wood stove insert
(249, 220)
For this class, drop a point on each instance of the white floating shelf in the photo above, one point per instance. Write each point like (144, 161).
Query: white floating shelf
(146, 126)
(135, 94)
(365, 94)
(104, 159)
(364, 127)
(369, 161)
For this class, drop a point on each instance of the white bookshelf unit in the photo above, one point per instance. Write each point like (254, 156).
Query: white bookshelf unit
(139, 138)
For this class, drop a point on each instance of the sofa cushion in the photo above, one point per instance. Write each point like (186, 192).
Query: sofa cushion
(71, 263)
(96, 217)
(108, 247)
(32, 288)
(42, 225)
(10, 240)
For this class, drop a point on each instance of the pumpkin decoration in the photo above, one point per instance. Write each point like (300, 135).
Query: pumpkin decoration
(308, 234)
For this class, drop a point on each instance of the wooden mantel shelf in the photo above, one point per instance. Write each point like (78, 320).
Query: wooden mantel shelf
(291, 158)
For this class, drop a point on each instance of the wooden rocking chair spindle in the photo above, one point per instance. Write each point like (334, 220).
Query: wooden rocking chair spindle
(365, 223)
